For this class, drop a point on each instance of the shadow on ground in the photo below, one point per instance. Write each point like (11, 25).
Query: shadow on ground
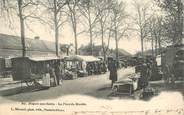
(103, 92)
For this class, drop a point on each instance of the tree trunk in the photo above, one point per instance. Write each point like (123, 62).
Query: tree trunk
(75, 32)
(91, 35)
(152, 49)
(57, 40)
(90, 30)
(103, 47)
(156, 42)
(74, 26)
(142, 44)
(102, 36)
(116, 41)
(142, 47)
(117, 49)
(22, 28)
(76, 44)
(56, 29)
(159, 45)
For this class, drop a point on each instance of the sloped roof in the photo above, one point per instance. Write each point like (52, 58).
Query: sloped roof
(124, 53)
(149, 52)
(14, 42)
(10, 46)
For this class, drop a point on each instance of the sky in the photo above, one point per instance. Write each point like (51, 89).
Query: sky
(131, 45)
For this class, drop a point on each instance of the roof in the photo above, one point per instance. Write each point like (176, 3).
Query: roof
(149, 52)
(123, 52)
(38, 59)
(82, 58)
(10, 46)
(14, 42)
(97, 50)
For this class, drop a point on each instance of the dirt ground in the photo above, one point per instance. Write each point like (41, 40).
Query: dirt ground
(97, 86)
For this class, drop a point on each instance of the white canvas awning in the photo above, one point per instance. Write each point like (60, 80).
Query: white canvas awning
(44, 58)
(88, 58)
(82, 58)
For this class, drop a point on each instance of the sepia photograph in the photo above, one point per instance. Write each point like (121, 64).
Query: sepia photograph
(96, 57)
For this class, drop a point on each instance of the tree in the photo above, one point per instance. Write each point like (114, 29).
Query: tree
(120, 26)
(156, 31)
(142, 20)
(87, 9)
(103, 9)
(72, 13)
(173, 20)
(23, 9)
(54, 17)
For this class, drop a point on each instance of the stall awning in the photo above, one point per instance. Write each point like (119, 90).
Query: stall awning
(44, 58)
(82, 58)
(89, 58)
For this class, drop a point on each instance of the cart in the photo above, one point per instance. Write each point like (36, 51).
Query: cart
(126, 86)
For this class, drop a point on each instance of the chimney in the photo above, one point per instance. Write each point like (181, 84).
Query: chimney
(36, 37)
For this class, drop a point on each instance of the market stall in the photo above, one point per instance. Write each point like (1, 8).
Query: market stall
(31, 69)
(81, 64)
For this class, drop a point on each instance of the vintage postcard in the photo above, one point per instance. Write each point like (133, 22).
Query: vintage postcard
(92, 57)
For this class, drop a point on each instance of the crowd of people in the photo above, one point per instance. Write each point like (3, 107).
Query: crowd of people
(96, 68)
(56, 71)
(148, 71)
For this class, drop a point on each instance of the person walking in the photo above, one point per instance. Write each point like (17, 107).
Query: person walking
(113, 71)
